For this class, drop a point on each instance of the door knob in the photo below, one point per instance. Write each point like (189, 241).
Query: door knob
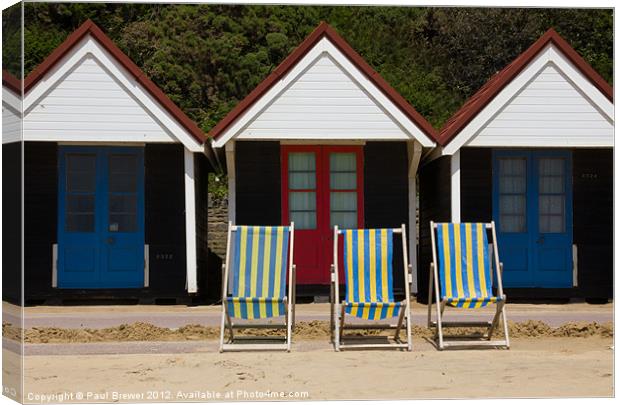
(110, 241)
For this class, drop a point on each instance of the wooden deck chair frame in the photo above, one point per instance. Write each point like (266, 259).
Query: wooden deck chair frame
(440, 304)
(289, 302)
(337, 317)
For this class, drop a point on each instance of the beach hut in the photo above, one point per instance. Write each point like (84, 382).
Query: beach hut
(322, 141)
(115, 180)
(532, 151)
(11, 186)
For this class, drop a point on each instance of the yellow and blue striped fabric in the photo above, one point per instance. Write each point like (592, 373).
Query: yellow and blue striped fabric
(368, 273)
(258, 272)
(464, 266)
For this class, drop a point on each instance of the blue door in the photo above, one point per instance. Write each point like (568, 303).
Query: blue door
(100, 217)
(532, 207)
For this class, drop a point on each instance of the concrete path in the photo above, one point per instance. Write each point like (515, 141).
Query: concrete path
(96, 317)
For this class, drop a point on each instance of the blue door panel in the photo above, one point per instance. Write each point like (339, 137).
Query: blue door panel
(94, 251)
(534, 253)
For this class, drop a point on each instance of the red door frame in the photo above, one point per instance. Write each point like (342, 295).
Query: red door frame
(323, 231)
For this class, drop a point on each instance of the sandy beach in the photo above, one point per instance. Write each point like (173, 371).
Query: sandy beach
(545, 367)
(143, 362)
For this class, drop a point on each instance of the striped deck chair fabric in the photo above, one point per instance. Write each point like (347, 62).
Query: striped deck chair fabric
(258, 272)
(464, 265)
(368, 273)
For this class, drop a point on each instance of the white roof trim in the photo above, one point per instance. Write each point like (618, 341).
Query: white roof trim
(90, 46)
(12, 102)
(549, 55)
(325, 46)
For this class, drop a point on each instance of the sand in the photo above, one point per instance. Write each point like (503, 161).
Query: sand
(141, 331)
(541, 367)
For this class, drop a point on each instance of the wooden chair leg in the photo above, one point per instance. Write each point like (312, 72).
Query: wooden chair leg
(505, 322)
(494, 322)
(332, 302)
(401, 318)
(342, 315)
(430, 296)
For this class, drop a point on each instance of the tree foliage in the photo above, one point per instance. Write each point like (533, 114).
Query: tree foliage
(209, 57)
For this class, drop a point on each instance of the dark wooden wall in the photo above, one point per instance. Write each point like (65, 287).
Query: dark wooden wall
(258, 183)
(593, 220)
(40, 216)
(164, 188)
(434, 190)
(386, 203)
(11, 222)
(476, 185)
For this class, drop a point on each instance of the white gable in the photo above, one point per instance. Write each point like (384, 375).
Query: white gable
(11, 122)
(324, 102)
(549, 104)
(90, 97)
(324, 97)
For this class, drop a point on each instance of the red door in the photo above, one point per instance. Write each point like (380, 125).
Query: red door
(322, 186)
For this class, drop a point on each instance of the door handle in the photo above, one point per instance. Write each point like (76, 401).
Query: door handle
(110, 241)
(541, 240)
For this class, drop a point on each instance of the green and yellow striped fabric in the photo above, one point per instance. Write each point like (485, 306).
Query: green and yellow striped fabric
(464, 266)
(257, 276)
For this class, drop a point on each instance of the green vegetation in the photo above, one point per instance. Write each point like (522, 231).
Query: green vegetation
(209, 57)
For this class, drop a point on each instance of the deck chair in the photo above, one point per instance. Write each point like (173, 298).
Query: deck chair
(369, 291)
(461, 276)
(255, 285)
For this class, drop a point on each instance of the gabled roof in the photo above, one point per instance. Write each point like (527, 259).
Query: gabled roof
(90, 28)
(11, 82)
(323, 31)
(492, 88)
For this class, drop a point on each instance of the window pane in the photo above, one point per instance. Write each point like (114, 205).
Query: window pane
(123, 163)
(343, 181)
(78, 203)
(342, 162)
(303, 220)
(301, 171)
(551, 185)
(512, 204)
(301, 181)
(81, 162)
(551, 166)
(512, 166)
(343, 169)
(512, 184)
(512, 223)
(301, 161)
(123, 204)
(81, 172)
(123, 223)
(512, 194)
(344, 220)
(343, 209)
(80, 222)
(551, 204)
(302, 209)
(123, 173)
(552, 198)
(302, 201)
(343, 201)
